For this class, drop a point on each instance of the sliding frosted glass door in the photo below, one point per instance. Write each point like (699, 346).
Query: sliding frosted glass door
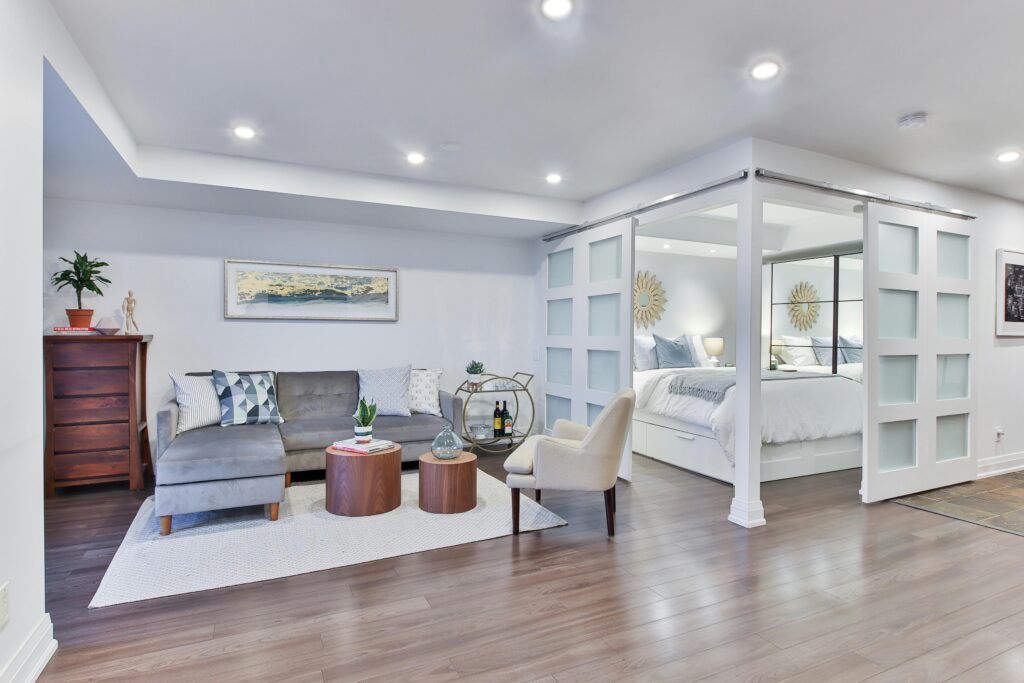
(919, 402)
(588, 298)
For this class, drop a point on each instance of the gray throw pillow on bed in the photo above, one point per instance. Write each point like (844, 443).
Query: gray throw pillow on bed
(852, 349)
(823, 350)
(672, 353)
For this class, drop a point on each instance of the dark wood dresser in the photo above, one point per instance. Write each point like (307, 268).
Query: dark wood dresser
(95, 410)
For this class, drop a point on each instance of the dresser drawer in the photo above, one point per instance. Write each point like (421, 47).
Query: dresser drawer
(70, 411)
(90, 382)
(86, 355)
(91, 437)
(71, 466)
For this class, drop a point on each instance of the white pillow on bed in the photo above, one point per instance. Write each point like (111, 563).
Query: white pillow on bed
(798, 351)
(700, 353)
(644, 355)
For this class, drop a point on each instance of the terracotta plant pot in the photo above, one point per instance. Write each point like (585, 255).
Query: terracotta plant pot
(79, 317)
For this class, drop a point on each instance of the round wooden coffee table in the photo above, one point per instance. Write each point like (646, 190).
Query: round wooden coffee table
(448, 486)
(361, 484)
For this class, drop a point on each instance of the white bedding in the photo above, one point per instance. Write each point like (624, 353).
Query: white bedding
(799, 410)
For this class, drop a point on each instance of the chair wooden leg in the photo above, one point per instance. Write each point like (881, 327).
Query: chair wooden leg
(609, 510)
(515, 511)
(165, 525)
(536, 495)
(275, 509)
(287, 479)
(615, 500)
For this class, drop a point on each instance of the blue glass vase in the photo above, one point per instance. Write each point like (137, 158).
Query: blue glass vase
(446, 445)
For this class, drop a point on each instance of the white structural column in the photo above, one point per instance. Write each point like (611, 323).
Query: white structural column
(746, 509)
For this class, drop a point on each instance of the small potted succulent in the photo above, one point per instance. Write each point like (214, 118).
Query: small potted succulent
(474, 370)
(364, 418)
(84, 274)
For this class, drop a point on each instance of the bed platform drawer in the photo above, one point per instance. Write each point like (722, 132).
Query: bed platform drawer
(694, 452)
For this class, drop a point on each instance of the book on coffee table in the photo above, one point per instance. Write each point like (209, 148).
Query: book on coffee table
(371, 447)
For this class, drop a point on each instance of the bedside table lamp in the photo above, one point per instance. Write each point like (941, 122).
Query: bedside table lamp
(715, 346)
(776, 352)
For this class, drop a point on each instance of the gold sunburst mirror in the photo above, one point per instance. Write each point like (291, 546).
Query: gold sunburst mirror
(648, 299)
(803, 306)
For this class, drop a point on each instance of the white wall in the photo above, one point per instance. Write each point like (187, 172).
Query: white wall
(460, 298)
(701, 296)
(819, 274)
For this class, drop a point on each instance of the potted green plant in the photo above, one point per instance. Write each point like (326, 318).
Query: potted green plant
(84, 274)
(364, 418)
(474, 370)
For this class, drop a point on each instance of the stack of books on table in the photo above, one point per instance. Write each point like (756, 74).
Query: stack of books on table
(351, 446)
(60, 329)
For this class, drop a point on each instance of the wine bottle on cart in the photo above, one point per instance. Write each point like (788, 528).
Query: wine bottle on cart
(506, 419)
(499, 423)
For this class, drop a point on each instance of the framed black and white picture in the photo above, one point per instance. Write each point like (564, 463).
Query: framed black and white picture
(300, 291)
(1010, 293)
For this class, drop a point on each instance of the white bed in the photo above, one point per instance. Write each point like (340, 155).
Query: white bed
(809, 425)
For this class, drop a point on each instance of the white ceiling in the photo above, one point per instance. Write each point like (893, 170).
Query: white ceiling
(618, 92)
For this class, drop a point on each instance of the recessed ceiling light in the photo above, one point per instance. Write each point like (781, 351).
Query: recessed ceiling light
(766, 70)
(244, 132)
(911, 121)
(556, 9)
(712, 251)
(553, 178)
(1008, 157)
(415, 158)
(666, 246)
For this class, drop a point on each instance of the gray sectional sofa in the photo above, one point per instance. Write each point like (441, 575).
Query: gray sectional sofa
(213, 468)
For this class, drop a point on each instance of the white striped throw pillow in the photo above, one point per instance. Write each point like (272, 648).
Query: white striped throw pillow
(198, 404)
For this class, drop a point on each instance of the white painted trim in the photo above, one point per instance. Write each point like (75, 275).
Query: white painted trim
(748, 514)
(33, 655)
(1000, 464)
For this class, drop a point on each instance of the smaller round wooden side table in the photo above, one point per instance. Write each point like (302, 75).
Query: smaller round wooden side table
(448, 486)
(362, 484)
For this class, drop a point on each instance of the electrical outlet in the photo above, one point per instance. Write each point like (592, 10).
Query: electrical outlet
(4, 605)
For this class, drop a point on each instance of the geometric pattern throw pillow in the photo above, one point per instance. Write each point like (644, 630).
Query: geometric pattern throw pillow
(424, 388)
(388, 388)
(246, 398)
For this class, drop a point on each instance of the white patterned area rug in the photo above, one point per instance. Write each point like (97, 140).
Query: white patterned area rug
(231, 547)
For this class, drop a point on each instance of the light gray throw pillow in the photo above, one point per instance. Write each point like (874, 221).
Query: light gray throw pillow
(388, 388)
(673, 353)
(198, 404)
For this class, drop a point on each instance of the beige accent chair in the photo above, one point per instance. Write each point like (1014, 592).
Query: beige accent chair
(574, 457)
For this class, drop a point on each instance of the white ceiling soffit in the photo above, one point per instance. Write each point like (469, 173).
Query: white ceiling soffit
(496, 97)
(674, 247)
(80, 163)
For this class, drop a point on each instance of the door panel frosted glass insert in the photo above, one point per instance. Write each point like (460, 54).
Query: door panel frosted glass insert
(560, 268)
(954, 256)
(603, 370)
(556, 408)
(560, 366)
(897, 248)
(954, 316)
(560, 317)
(897, 379)
(897, 314)
(897, 445)
(953, 377)
(951, 432)
(592, 412)
(606, 259)
(604, 315)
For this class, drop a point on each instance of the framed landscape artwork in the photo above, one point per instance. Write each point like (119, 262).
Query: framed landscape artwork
(298, 291)
(1010, 293)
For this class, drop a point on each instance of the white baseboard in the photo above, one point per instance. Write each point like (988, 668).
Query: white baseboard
(1000, 464)
(747, 514)
(28, 662)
